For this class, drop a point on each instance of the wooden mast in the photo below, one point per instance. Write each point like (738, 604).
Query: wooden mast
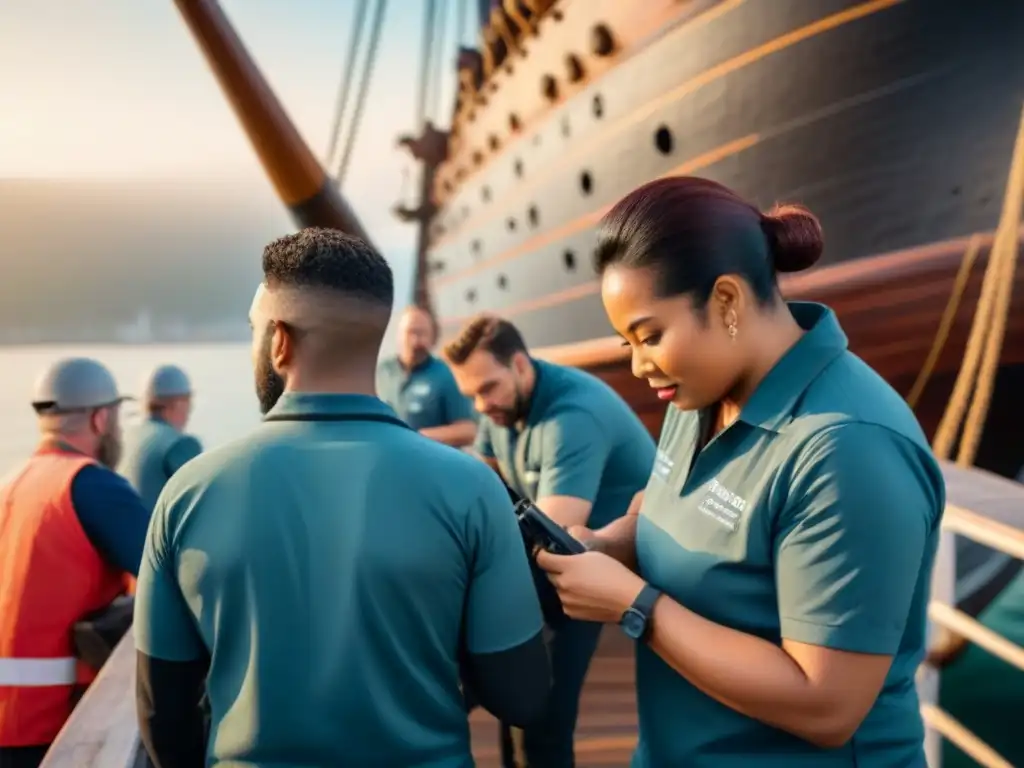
(298, 178)
(430, 149)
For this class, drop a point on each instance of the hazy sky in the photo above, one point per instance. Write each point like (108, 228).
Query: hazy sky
(118, 89)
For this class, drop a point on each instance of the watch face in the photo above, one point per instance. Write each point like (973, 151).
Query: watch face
(633, 624)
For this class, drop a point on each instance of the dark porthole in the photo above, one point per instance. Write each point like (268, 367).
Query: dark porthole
(517, 167)
(503, 282)
(533, 215)
(471, 295)
(511, 224)
(475, 247)
(566, 128)
(569, 260)
(663, 140)
(485, 193)
(598, 106)
(586, 183)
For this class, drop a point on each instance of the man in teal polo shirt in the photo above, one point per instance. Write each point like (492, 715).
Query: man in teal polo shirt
(158, 447)
(330, 575)
(420, 387)
(568, 442)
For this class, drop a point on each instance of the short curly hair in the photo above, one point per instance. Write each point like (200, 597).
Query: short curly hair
(329, 259)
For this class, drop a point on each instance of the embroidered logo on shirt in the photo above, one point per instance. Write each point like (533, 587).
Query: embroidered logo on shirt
(420, 389)
(722, 505)
(662, 466)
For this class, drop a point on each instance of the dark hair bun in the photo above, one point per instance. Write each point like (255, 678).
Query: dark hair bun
(794, 235)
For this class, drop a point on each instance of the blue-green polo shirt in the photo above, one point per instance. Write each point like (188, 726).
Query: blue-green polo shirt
(814, 517)
(426, 396)
(153, 451)
(579, 439)
(329, 568)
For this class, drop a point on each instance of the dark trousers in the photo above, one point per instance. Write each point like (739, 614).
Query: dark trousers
(548, 743)
(22, 757)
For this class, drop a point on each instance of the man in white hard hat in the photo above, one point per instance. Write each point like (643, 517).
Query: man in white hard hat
(70, 528)
(157, 448)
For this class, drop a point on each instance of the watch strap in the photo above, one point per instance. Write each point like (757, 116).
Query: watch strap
(645, 601)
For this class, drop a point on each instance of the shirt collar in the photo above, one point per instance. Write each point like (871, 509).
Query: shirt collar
(426, 363)
(773, 402)
(310, 404)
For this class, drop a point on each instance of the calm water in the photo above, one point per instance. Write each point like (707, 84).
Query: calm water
(224, 407)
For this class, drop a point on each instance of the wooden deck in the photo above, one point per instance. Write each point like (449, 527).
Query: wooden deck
(101, 733)
(606, 730)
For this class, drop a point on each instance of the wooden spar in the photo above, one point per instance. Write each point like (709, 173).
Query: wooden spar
(298, 178)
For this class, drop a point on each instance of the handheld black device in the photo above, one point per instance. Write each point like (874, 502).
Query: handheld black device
(539, 530)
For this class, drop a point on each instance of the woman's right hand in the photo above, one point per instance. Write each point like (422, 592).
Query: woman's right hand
(618, 538)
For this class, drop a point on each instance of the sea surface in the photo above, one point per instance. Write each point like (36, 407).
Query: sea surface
(224, 405)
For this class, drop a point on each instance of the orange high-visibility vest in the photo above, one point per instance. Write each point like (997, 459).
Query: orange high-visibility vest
(51, 576)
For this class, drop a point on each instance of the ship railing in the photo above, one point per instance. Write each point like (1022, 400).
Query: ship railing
(102, 731)
(943, 615)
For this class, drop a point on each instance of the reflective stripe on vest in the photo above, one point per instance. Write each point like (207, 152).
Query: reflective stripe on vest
(36, 673)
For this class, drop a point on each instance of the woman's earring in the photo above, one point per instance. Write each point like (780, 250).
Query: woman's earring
(733, 331)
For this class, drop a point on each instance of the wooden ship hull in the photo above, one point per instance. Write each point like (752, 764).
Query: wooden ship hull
(893, 121)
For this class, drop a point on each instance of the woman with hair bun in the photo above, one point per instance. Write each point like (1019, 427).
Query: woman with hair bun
(775, 571)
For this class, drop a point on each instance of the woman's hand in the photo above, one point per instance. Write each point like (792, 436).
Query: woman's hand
(592, 586)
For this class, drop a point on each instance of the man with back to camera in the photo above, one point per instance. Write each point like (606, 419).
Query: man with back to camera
(565, 440)
(70, 529)
(329, 574)
(420, 387)
(157, 447)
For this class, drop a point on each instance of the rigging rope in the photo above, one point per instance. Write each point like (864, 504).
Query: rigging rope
(460, 23)
(975, 381)
(437, 63)
(364, 85)
(946, 324)
(430, 13)
(354, 42)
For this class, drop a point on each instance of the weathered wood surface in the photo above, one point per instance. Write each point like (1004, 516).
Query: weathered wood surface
(102, 731)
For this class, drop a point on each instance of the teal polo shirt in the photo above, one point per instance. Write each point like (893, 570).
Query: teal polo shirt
(332, 564)
(153, 452)
(426, 396)
(579, 439)
(814, 517)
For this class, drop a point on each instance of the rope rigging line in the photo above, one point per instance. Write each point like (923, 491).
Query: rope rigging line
(461, 16)
(354, 43)
(437, 64)
(972, 392)
(430, 14)
(364, 86)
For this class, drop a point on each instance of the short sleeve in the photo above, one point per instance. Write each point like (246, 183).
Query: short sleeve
(457, 407)
(183, 451)
(855, 539)
(164, 625)
(482, 444)
(574, 453)
(502, 609)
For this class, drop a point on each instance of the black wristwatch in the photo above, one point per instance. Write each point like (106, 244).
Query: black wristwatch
(636, 621)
